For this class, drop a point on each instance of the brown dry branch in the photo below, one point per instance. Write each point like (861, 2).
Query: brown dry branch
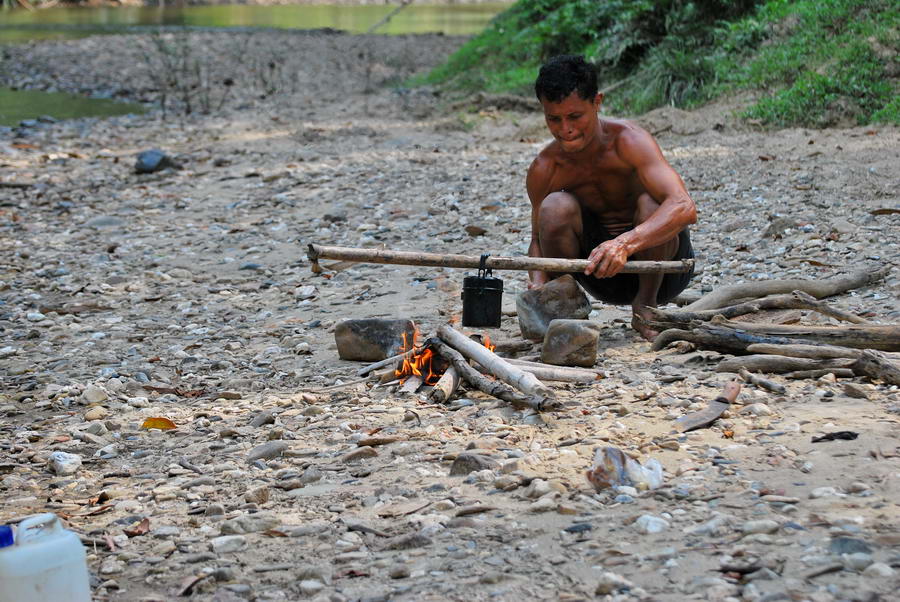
(826, 287)
(762, 383)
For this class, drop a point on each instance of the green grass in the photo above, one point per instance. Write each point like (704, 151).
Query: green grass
(811, 63)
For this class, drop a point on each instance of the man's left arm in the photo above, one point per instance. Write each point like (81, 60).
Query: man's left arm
(676, 208)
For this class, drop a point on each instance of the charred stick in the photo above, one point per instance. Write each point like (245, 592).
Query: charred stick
(544, 264)
(446, 386)
(388, 360)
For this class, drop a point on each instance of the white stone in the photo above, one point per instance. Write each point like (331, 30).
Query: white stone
(651, 524)
(857, 561)
(64, 464)
(610, 583)
(228, 543)
(311, 587)
(879, 569)
(824, 492)
(94, 394)
(760, 526)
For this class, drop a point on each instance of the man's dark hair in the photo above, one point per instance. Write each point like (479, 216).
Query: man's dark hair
(562, 75)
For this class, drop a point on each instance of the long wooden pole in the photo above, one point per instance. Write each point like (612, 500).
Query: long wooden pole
(543, 264)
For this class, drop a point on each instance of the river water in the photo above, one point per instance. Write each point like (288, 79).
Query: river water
(21, 26)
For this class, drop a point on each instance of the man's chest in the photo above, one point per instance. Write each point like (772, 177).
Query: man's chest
(606, 183)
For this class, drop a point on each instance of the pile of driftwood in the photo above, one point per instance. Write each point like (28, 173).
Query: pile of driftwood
(797, 351)
(467, 359)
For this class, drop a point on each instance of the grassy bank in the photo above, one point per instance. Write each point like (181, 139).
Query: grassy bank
(814, 63)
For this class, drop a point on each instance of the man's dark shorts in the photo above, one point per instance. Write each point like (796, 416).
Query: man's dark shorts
(621, 289)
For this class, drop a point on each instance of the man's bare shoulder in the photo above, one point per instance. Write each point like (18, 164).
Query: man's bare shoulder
(630, 140)
(624, 130)
(545, 162)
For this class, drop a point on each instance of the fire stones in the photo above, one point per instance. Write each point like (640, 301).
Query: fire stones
(559, 298)
(372, 339)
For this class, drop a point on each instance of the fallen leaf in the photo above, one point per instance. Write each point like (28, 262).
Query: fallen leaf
(884, 211)
(140, 529)
(157, 422)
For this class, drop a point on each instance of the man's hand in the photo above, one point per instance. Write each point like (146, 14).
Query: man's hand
(607, 259)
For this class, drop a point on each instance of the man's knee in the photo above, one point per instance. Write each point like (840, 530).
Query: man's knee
(645, 207)
(559, 210)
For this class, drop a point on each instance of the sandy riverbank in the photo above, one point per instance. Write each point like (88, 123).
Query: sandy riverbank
(193, 300)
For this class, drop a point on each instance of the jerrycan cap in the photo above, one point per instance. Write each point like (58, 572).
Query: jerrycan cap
(6, 536)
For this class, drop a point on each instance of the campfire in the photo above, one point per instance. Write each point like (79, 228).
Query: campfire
(420, 361)
(445, 361)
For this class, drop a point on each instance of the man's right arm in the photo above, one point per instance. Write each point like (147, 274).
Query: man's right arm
(537, 183)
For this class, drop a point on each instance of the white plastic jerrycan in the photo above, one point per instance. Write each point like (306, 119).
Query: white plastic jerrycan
(45, 564)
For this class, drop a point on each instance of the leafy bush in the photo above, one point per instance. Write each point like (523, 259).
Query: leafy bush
(820, 60)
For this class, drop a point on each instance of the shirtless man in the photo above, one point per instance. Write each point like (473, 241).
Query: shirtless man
(602, 190)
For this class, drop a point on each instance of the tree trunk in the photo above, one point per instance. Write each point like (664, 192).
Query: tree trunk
(663, 319)
(778, 364)
(817, 288)
(885, 337)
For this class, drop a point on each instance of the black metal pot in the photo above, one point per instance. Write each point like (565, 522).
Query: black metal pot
(482, 296)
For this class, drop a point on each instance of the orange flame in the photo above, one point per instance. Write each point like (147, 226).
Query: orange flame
(417, 363)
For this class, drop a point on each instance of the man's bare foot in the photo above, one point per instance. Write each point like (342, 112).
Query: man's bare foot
(639, 319)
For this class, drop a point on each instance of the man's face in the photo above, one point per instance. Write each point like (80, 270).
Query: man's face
(572, 121)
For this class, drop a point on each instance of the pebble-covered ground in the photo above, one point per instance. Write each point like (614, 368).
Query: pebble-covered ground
(185, 294)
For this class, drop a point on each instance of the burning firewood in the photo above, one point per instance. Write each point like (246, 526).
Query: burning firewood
(496, 366)
(485, 385)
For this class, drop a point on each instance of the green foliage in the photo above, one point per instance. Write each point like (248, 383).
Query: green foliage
(820, 61)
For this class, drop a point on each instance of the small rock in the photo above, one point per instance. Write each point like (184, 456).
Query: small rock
(760, 526)
(610, 583)
(466, 463)
(267, 451)
(311, 587)
(249, 523)
(571, 343)
(879, 569)
(64, 464)
(855, 391)
(372, 339)
(757, 409)
(651, 524)
(152, 160)
(398, 571)
(819, 492)
(94, 394)
(228, 543)
(848, 545)
(96, 413)
(359, 453)
(858, 561)
(559, 298)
